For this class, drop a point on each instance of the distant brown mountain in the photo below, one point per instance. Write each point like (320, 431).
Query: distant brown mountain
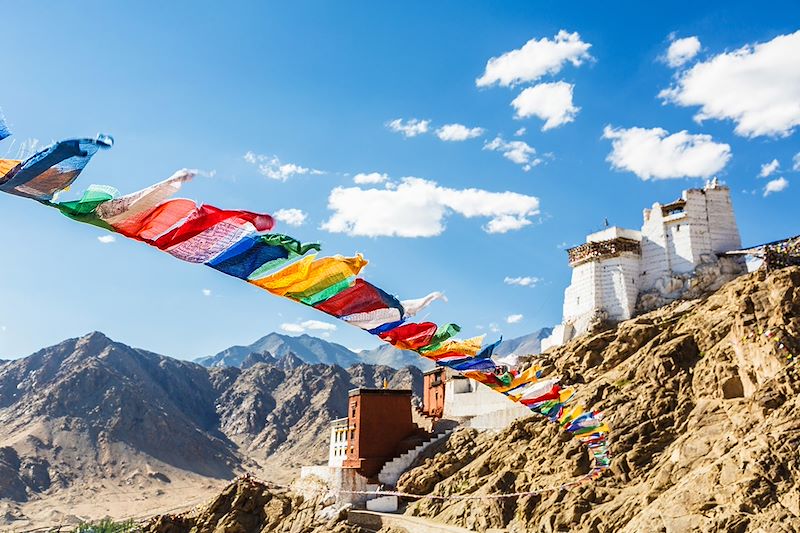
(91, 412)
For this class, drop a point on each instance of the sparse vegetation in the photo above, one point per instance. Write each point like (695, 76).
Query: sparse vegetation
(108, 526)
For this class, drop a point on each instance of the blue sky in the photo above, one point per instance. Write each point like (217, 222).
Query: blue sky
(193, 84)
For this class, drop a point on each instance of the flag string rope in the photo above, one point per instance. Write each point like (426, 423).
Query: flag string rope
(241, 244)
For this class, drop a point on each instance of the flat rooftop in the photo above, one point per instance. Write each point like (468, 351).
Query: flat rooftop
(374, 392)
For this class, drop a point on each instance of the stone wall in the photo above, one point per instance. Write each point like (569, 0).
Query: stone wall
(580, 297)
(678, 259)
(674, 242)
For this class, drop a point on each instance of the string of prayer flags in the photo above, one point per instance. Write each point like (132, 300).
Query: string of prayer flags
(242, 244)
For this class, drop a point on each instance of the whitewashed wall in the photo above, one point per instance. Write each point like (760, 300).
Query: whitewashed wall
(670, 245)
(580, 297)
(466, 398)
(724, 231)
(618, 279)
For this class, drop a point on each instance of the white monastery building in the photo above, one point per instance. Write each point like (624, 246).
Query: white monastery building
(618, 271)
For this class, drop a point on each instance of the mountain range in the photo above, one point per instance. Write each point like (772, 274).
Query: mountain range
(91, 415)
(275, 347)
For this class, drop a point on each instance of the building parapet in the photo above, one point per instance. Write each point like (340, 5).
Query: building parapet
(380, 392)
(594, 251)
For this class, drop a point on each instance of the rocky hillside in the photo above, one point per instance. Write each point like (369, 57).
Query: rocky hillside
(703, 400)
(91, 414)
(248, 505)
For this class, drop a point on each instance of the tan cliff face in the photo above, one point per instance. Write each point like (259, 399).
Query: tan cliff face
(703, 405)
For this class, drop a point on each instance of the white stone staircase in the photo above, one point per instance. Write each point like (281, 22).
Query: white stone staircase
(392, 470)
(421, 419)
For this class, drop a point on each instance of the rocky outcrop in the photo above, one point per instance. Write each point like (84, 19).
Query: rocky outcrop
(250, 506)
(702, 398)
(711, 274)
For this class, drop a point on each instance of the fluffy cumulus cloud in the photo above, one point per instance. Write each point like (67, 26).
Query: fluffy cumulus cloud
(206, 292)
(409, 128)
(520, 132)
(682, 50)
(292, 217)
(513, 319)
(106, 239)
(768, 169)
(272, 167)
(776, 185)
(655, 154)
(519, 152)
(551, 102)
(522, 281)
(458, 132)
(535, 59)
(307, 325)
(418, 207)
(756, 86)
(370, 178)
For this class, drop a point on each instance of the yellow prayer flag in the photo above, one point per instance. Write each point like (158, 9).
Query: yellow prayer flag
(310, 272)
(467, 347)
(6, 165)
(525, 377)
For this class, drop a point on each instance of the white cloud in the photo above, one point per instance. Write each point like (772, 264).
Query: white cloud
(767, 169)
(523, 281)
(292, 217)
(308, 325)
(418, 207)
(458, 132)
(372, 177)
(206, 292)
(655, 154)
(271, 167)
(796, 162)
(513, 319)
(106, 239)
(756, 86)
(494, 328)
(682, 50)
(535, 59)
(519, 152)
(409, 128)
(776, 185)
(318, 325)
(506, 223)
(520, 132)
(551, 102)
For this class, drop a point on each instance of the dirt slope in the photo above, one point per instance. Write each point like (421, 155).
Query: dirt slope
(703, 404)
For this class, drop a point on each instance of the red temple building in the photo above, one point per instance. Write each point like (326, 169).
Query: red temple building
(380, 427)
(433, 393)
